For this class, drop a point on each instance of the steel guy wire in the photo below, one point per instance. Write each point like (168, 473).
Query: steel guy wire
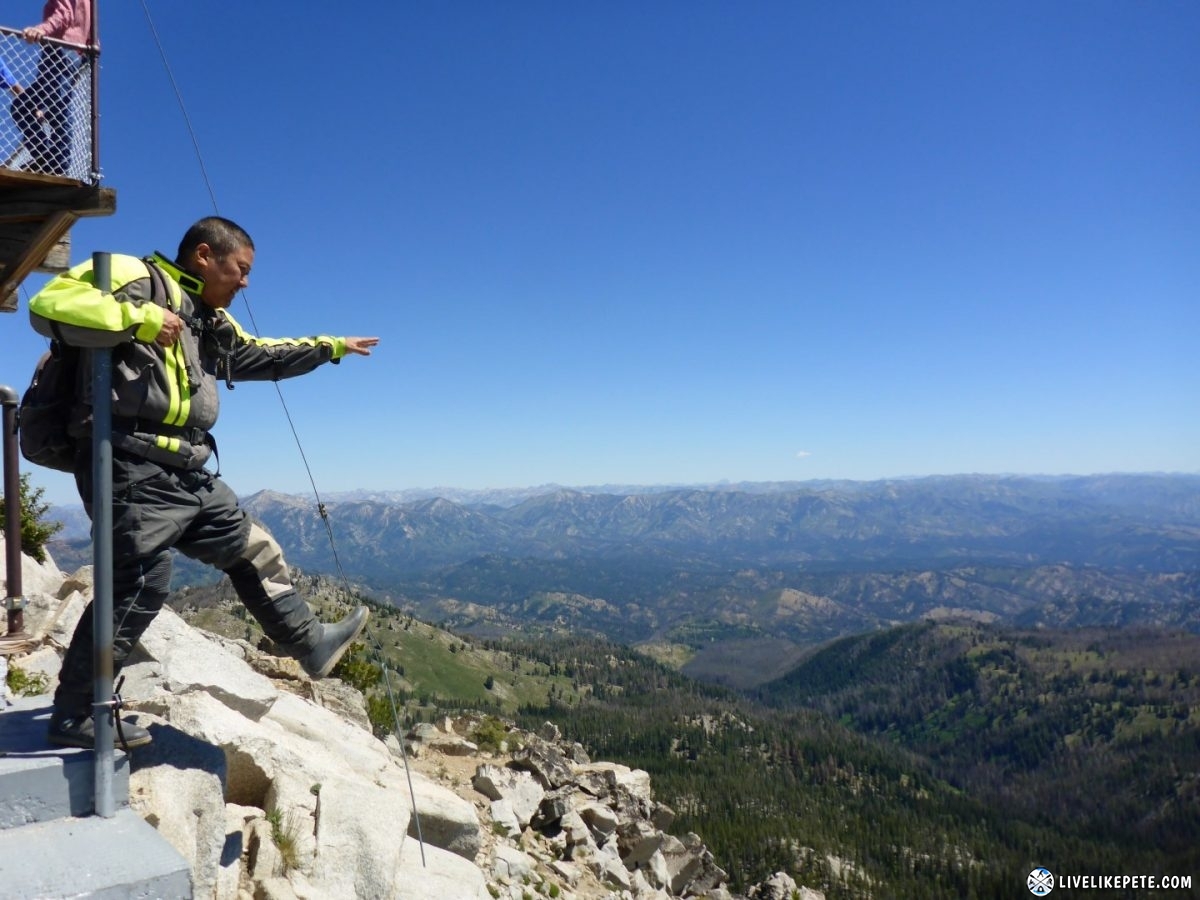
(295, 435)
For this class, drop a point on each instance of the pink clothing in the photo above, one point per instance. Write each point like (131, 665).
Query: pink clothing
(68, 20)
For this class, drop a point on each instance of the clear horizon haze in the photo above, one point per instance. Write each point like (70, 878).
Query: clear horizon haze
(677, 242)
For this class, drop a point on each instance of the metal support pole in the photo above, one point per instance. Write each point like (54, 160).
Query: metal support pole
(93, 62)
(14, 603)
(102, 601)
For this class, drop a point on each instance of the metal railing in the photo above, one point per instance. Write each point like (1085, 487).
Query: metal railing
(14, 602)
(48, 120)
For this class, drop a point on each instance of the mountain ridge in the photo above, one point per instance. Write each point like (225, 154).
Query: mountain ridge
(1099, 520)
(694, 572)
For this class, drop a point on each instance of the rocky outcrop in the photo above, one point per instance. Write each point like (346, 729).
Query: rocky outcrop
(600, 818)
(272, 786)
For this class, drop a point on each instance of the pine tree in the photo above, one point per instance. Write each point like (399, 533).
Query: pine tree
(36, 531)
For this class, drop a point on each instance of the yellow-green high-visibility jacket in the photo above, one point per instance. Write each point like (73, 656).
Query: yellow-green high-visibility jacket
(164, 399)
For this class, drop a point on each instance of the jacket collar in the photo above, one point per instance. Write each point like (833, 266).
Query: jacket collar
(185, 280)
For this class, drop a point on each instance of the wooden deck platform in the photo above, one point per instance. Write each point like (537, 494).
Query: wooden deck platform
(36, 215)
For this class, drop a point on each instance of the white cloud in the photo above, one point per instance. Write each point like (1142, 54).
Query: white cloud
(803, 454)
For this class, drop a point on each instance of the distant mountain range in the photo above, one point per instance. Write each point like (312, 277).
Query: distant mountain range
(702, 571)
(1135, 521)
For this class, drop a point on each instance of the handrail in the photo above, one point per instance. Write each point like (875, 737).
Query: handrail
(82, 48)
(14, 602)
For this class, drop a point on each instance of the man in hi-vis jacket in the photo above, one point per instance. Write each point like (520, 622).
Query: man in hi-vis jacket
(172, 341)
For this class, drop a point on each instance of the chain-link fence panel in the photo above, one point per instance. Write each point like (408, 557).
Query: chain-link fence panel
(46, 115)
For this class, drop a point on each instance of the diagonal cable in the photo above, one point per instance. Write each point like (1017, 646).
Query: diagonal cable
(295, 435)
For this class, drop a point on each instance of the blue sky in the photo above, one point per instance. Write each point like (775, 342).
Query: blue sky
(680, 242)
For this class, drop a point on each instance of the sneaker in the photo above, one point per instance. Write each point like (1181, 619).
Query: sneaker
(80, 731)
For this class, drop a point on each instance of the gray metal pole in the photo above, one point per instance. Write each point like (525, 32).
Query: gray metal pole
(102, 601)
(14, 603)
(93, 63)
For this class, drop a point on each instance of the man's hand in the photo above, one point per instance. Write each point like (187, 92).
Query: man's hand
(33, 34)
(172, 327)
(361, 345)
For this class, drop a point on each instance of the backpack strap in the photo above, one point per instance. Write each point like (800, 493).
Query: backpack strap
(160, 290)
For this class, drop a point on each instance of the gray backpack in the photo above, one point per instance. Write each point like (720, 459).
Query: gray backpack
(46, 409)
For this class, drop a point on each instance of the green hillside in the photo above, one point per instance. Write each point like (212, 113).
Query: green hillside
(432, 669)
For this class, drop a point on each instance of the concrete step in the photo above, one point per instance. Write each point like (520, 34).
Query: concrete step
(40, 783)
(114, 858)
(50, 844)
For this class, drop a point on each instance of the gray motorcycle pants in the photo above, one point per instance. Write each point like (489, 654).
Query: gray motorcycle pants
(155, 509)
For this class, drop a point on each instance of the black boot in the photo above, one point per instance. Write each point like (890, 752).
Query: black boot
(289, 622)
(80, 731)
(334, 641)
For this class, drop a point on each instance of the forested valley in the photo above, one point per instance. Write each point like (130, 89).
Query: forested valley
(903, 778)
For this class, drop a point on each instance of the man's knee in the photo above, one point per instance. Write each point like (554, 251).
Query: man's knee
(260, 566)
(154, 579)
(141, 587)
